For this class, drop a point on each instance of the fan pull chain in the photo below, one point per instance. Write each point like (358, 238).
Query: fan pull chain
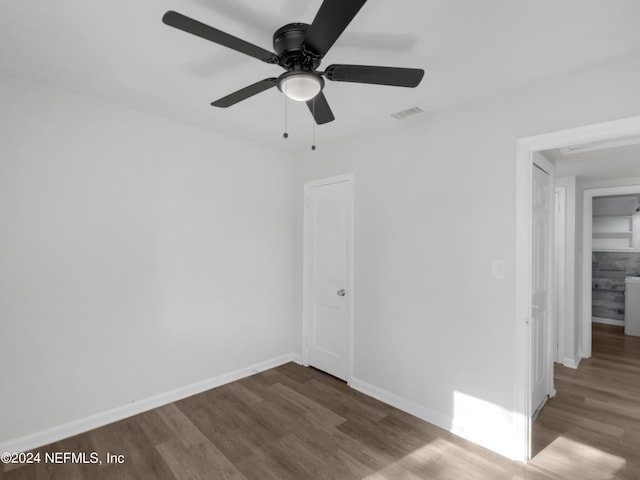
(313, 108)
(285, 134)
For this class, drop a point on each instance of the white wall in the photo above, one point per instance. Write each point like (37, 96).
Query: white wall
(134, 253)
(434, 204)
(578, 307)
(572, 321)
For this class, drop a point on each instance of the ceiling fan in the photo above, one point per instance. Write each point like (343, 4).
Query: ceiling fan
(299, 50)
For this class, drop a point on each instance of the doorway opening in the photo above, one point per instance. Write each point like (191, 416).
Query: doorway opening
(526, 147)
(602, 239)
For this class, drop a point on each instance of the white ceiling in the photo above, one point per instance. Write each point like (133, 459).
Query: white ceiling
(606, 164)
(121, 51)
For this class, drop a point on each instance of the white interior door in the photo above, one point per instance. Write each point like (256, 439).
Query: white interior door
(327, 276)
(541, 304)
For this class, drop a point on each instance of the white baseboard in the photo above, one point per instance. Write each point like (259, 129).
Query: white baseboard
(608, 321)
(469, 432)
(403, 404)
(572, 362)
(54, 434)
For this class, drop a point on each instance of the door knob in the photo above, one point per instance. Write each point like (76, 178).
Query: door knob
(341, 292)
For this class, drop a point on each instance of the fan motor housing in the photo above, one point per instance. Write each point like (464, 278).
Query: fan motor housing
(287, 43)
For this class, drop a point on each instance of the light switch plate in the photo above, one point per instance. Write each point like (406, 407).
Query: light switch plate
(497, 268)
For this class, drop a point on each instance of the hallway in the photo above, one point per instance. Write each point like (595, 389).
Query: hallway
(591, 429)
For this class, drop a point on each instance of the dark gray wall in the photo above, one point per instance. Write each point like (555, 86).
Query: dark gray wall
(608, 272)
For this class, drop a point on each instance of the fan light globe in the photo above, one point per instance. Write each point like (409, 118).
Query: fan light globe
(300, 86)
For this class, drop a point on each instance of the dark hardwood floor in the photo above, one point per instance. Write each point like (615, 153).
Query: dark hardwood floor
(297, 423)
(592, 427)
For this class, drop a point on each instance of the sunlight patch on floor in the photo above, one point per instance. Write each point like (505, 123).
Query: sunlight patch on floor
(563, 454)
(443, 458)
(425, 460)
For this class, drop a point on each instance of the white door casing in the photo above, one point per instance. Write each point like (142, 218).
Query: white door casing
(327, 278)
(525, 149)
(587, 254)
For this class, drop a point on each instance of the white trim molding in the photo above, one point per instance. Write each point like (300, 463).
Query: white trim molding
(477, 433)
(587, 252)
(572, 362)
(402, 403)
(608, 321)
(525, 147)
(75, 427)
(560, 269)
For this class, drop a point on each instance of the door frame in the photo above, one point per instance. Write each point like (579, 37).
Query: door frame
(350, 180)
(587, 253)
(560, 270)
(524, 155)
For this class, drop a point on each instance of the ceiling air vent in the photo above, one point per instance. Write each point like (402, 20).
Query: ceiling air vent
(407, 113)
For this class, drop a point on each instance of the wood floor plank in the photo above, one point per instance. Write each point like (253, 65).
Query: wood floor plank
(230, 438)
(183, 429)
(270, 463)
(138, 450)
(156, 430)
(369, 455)
(313, 408)
(296, 423)
(242, 394)
(591, 429)
(191, 451)
(197, 461)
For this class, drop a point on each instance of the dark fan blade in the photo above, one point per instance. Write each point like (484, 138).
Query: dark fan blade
(398, 77)
(331, 20)
(245, 93)
(189, 25)
(320, 109)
